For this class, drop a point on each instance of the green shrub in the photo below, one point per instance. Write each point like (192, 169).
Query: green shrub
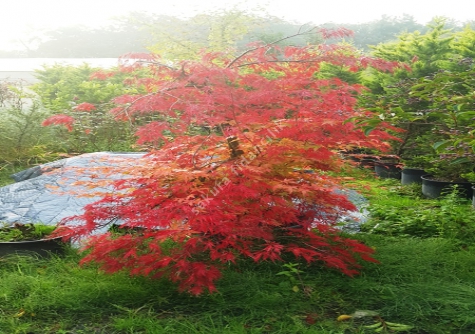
(22, 138)
(64, 90)
(22, 232)
(449, 217)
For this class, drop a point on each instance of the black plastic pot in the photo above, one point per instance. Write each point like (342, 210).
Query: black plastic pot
(387, 170)
(362, 160)
(432, 188)
(42, 248)
(367, 163)
(411, 175)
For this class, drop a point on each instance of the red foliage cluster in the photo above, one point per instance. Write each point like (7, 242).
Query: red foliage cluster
(67, 120)
(240, 170)
(85, 107)
(64, 120)
(101, 75)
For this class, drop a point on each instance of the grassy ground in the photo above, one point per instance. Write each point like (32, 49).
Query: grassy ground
(426, 282)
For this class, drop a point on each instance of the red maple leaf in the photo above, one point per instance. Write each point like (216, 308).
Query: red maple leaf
(60, 119)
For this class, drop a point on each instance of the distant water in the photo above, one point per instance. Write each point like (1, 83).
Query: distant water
(24, 68)
(31, 64)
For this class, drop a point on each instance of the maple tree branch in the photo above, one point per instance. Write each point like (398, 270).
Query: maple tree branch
(158, 64)
(279, 61)
(239, 127)
(126, 109)
(196, 151)
(299, 33)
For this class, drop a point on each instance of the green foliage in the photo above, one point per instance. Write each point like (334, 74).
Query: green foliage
(22, 139)
(451, 168)
(427, 284)
(450, 217)
(426, 52)
(421, 282)
(342, 72)
(63, 89)
(463, 43)
(449, 95)
(23, 232)
(63, 86)
(293, 272)
(93, 131)
(433, 102)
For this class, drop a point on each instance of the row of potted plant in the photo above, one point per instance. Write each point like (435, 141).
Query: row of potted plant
(435, 180)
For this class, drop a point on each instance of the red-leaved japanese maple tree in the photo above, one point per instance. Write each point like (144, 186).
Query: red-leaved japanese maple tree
(246, 150)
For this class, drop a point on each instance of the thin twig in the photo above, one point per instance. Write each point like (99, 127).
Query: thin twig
(299, 33)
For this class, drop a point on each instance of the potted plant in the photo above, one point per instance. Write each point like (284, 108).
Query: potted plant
(36, 239)
(447, 172)
(415, 167)
(411, 175)
(388, 166)
(449, 94)
(384, 165)
(362, 157)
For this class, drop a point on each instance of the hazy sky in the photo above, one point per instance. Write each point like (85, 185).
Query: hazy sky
(20, 17)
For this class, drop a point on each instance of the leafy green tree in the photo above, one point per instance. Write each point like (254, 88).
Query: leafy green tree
(22, 140)
(230, 30)
(384, 30)
(173, 38)
(64, 90)
(390, 96)
(464, 43)
(177, 39)
(433, 101)
(61, 86)
(450, 96)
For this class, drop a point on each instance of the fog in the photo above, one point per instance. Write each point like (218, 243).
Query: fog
(21, 20)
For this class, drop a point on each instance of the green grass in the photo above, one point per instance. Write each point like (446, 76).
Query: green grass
(429, 284)
(425, 282)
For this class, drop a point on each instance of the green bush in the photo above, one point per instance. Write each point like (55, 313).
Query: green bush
(63, 89)
(22, 138)
(431, 98)
(450, 217)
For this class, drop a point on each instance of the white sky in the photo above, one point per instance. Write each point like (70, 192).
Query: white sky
(19, 17)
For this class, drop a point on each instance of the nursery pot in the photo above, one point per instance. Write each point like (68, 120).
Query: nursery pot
(362, 160)
(367, 163)
(42, 247)
(411, 175)
(388, 169)
(432, 188)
